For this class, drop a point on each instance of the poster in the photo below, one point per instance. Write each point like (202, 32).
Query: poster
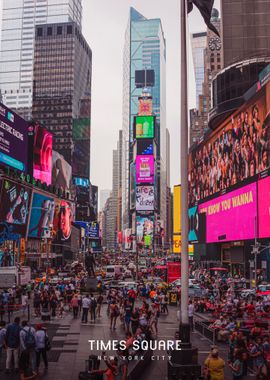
(144, 227)
(61, 172)
(42, 215)
(42, 154)
(145, 169)
(145, 198)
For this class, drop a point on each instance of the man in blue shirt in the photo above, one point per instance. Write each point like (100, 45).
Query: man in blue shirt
(13, 344)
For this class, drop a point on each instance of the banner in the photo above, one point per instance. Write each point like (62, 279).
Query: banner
(145, 198)
(145, 169)
(61, 172)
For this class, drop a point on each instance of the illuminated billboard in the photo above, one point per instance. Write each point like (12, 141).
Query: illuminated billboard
(145, 169)
(144, 127)
(81, 129)
(81, 158)
(42, 215)
(177, 209)
(237, 150)
(42, 154)
(264, 207)
(61, 172)
(144, 228)
(13, 139)
(145, 106)
(145, 147)
(231, 216)
(84, 182)
(145, 198)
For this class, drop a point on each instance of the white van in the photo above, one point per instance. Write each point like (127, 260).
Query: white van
(114, 271)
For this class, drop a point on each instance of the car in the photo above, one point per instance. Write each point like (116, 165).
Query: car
(245, 293)
(128, 284)
(263, 290)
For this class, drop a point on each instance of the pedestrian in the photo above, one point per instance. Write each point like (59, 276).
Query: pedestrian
(127, 315)
(122, 365)
(41, 349)
(93, 306)
(190, 314)
(99, 304)
(114, 314)
(214, 366)
(13, 344)
(29, 290)
(24, 302)
(37, 302)
(26, 372)
(28, 342)
(74, 303)
(85, 308)
(237, 365)
(3, 332)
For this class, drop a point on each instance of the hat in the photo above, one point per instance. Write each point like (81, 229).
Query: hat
(39, 326)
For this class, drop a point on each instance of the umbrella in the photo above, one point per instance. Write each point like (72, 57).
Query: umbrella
(221, 269)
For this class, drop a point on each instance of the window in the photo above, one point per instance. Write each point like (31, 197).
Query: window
(59, 30)
(39, 32)
(49, 31)
(69, 29)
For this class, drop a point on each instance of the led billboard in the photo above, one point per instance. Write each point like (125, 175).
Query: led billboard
(81, 158)
(81, 129)
(235, 151)
(144, 227)
(61, 172)
(145, 198)
(42, 154)
(145, 106)
(145, 147)
(84, 182)
(13, 139)
(264, 207)
(231, 216)
(42, 215)
(144, 127)
(145, 169)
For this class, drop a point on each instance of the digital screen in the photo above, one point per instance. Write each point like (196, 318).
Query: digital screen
(264, 207)
(93, 230)
(94, 203)
(13, 139)
(15, 202)
(144, 227)
(81, 129)
(81, 158)
(193, 217)
(84, 182)
(61, 172)
(42, 154)
(42, 215)
(144, 127)
(145, 198)
(231, 216)
(67, 216)
(132, 185)
(145, 169)
(237, 150)
(128, 238)
(145, 107)
(145, 147)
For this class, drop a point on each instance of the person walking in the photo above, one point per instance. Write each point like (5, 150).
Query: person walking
(3, 332)
(41, 349)
(237, 365)
(28, 342)
(114, 314)
(190, 314)
(93, 306)
(85, 308)
(74, 303)
(214, 366)
(99, 304)
(13, 344)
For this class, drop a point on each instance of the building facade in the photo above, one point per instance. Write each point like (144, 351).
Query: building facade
(144, 49)
(62, 91)
(198, 45)
(19, 18)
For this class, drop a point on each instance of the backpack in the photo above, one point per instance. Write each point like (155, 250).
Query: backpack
(29, 339)
(93, 303)
(48, 345)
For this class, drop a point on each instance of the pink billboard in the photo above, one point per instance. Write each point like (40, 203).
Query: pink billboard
(145, 169)
(264, 207)
(231, 216)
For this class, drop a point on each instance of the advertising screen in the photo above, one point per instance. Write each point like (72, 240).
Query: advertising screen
(83, 194)
(42, 154)
(127, 238)
(81, 158)
(84, 182)
(144, 127)
(93, 230)
(145, 169)
(144, 227)
(94, 203)
(13, 139)
(193, 217)
(81, 129)
(15, 201)
(264, 207)
(231, 216)
(145, 147)
(145, 107)
(67, 216)
(42, 215)
(236, 150)
(61, 172)
(132, 186)
(176, 209)
(145, 198)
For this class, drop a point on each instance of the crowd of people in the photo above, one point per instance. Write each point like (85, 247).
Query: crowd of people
(238, 151)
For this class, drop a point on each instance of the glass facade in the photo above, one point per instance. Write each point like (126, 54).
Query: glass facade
(145, 48)
(19, 18)
(199, 44)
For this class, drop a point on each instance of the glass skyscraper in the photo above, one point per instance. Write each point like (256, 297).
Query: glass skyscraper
(145, 48)
(19, 18)
(199, 44)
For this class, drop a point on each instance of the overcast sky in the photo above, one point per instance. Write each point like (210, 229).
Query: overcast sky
(104, 25)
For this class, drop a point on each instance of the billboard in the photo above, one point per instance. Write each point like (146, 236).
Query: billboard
(81, 129)
(81, 158)
(145, 147)
(93, 230)
(127, 238)
(144, 127)
(145, 198)
(61, 172)
(67, 216)
(94, 203)
(193, 218)
(177, 239)
(84, 182)
(145, 169)
(13, 139)
(42, 215)
(235, 151)
(231, 216)
(145, 107)
(264, 207)
(15, 202)
(177, 209)
(41, 142)
(144, 228)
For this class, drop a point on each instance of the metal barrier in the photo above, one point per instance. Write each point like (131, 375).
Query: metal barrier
(12, 311)
(206, 331)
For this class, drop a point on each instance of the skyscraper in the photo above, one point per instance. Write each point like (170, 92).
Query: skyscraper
(19, 19)
(62, 91)
(145, 48)
(198, 45)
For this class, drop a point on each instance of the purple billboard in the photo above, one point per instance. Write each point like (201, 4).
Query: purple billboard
(145, 169)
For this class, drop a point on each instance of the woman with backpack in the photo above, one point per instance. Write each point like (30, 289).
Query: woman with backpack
(42, 346)
(114, 314)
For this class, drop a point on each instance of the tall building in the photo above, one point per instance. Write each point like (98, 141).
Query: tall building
(19, 19)
(207, 63)
(245, 30)
(62, 91)
(145, 48)
(104, 195)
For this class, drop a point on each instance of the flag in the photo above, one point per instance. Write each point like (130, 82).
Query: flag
(205, 7)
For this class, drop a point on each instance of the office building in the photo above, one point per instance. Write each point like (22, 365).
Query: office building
(145, 48)
(104, 195)
(62, 91)
(198, 45)
(19, 19)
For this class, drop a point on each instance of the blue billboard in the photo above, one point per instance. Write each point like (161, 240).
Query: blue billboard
(42, 215)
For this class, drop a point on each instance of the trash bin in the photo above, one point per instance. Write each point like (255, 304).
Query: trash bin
(172, 298)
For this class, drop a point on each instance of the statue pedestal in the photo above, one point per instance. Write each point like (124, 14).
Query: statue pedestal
(91, 284)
